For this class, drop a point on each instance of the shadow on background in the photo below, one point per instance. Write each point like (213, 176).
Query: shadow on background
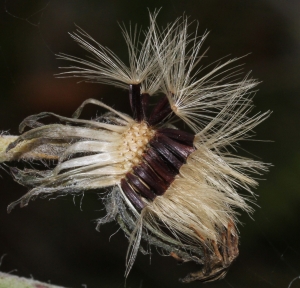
(55, 240)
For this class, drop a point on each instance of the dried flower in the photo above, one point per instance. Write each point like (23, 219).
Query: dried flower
(174, 189)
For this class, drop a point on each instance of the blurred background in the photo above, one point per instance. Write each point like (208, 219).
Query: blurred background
(56, 241)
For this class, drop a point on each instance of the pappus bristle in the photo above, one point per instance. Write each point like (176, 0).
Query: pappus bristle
(105, 67)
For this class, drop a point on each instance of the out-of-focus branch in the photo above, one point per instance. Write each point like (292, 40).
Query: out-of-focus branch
(11, 281)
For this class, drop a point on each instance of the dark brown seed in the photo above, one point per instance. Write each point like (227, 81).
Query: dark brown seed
(164, 170)
(133, 197)
(135, 101)
(160, 112)
(179, 135)
(180, 150)
(135, 182)
(144, 171)
(145, 102)
(166, 153)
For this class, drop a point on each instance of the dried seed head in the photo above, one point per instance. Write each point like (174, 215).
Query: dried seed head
(174, 189)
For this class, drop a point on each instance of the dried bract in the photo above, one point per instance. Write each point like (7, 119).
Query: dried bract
(173, 189)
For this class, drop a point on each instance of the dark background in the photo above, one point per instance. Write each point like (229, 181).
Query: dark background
(56, 241)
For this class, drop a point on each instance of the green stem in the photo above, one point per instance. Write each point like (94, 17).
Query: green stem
(11, 281)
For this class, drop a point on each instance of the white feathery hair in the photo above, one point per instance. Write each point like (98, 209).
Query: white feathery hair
(106, 67)
(197, 101)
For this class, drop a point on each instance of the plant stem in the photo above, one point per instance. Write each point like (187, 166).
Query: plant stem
(11, 281)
